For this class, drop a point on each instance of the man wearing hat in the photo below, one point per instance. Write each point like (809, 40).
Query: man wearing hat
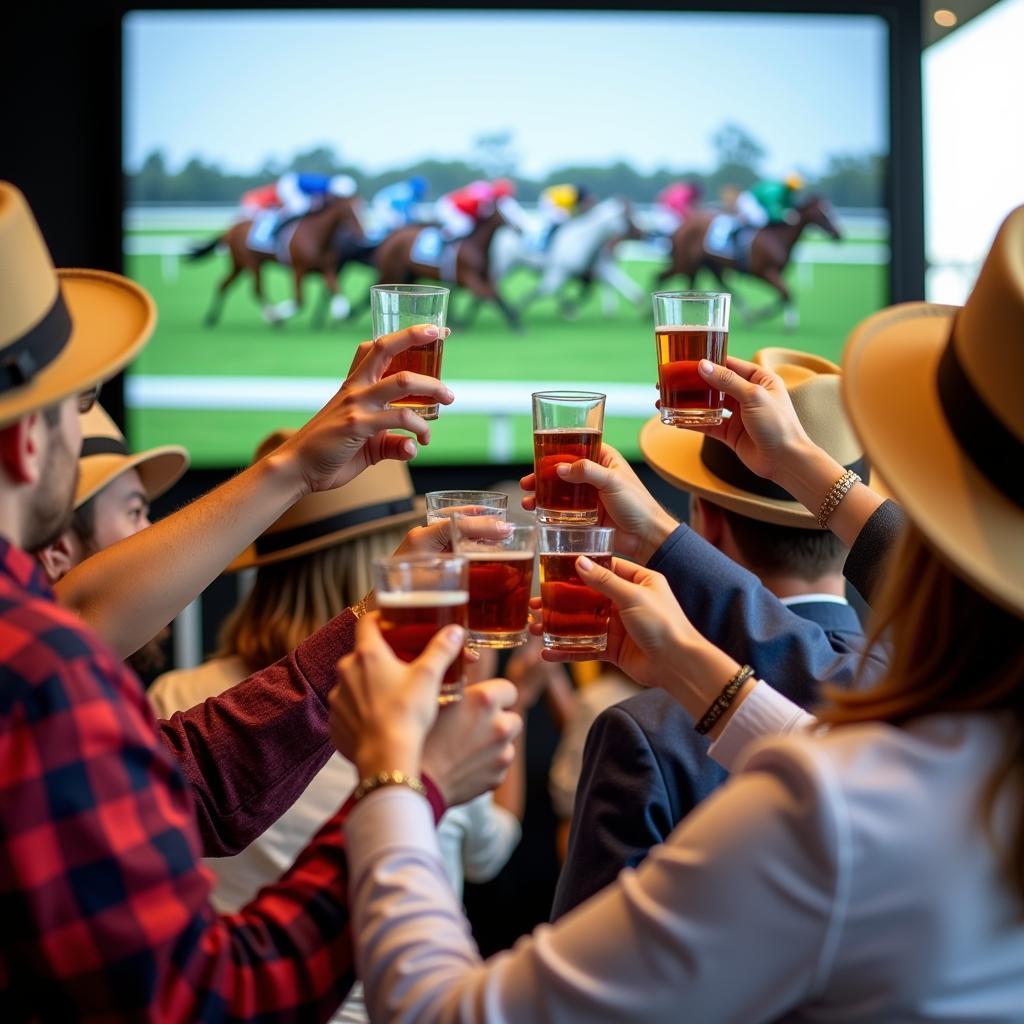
(644, 767)
(105, 905)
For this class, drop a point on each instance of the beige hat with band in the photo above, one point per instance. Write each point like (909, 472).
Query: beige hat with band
(61, 331)
(105, 456)
(381, 496)
(935, 393)
(712, 470)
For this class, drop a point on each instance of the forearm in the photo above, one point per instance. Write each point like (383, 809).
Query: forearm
(178, 557)
(250, 753)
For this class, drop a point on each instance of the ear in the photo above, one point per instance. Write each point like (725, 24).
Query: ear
(712, 522)
(60, 557)
(21, 449)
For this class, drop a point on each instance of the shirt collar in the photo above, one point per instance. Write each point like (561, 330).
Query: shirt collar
(817, 598)
(24, 570)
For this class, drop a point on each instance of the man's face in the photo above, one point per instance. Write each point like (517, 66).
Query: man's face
(121, 510)
(49, 511)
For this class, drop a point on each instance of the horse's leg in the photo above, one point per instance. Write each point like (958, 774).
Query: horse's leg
(773, 276)
(340, 306)
(268, 311)
(482, 288)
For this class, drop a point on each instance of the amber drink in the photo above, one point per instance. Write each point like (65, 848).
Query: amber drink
(689, 327)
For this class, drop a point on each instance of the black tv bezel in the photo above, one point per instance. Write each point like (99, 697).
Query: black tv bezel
(78, 62)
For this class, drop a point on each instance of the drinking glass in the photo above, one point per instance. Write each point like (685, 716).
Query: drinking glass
(441, 504)
(688, 327)
(393, 307)
(567, 426)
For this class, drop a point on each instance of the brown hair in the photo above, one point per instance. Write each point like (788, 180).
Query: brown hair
(951, 650)
(292, 599)
(770, 550)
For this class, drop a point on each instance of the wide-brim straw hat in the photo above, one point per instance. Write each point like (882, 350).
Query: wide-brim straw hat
(105, 456)
(710, 469)
(61, 331)
(380, 498)
(935, 393)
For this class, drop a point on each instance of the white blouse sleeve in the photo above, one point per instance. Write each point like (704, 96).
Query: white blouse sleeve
(764, 713)
(735, 918)
(492, 833)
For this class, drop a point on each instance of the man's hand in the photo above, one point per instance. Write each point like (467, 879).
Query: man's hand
(641, 524)
(351, 432)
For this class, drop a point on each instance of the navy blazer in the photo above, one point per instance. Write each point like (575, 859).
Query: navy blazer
(645, 768)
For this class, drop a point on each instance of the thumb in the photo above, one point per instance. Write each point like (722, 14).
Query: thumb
(604, 581)
(727, 380)
(442, 650)
(583, 471)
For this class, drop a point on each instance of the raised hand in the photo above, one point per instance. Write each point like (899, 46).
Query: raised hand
(351, 431)
(641, 524)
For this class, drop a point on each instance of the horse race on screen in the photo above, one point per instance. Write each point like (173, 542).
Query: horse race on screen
(553, 197)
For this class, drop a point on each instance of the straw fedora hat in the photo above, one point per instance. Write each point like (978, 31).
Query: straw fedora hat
(935, 394)
(380, 497)
(60, 331)
(105, 456)
(710, 468)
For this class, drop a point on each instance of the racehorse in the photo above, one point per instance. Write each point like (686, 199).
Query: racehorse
(472, 269)
(580, 250)
(320, 243)
(770, 250)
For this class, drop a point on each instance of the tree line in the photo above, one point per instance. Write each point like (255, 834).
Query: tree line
(848, 179)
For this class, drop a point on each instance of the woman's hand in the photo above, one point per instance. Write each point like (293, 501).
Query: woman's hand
(641, 524)
(436, 538)
(650, 638)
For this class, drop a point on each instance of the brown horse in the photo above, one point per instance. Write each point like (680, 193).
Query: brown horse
(317, 246)
(770, 250)
(472, 263)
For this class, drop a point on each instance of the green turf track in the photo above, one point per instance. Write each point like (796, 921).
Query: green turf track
(591, 350)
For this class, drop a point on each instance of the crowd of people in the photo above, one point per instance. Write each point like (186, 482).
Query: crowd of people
(775, 814)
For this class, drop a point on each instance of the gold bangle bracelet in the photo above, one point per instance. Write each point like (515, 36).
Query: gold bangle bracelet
(388, 778)
(837, 492)
(362, 606)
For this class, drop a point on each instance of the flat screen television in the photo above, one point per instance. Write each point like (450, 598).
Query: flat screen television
(624, 103)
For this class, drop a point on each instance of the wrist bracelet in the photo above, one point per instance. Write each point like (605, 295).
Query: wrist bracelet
(362, 606)
(836, 493)
(388, 778)
(723, 701)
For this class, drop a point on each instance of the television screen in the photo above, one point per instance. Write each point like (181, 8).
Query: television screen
(270, 158)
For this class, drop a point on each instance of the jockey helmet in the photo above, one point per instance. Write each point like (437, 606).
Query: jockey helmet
(794, 181)
(503, 187)
(342, 185)
(418, 185)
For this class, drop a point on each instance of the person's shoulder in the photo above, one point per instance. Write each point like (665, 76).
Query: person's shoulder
(654, 712)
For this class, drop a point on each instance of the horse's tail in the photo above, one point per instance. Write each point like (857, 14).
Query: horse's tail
(197, 252)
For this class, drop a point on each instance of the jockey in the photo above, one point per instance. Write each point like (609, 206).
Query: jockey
(556, 205)
(259, 200)
(394, 206)
(768, 202)
(462, 209)
(674, 204)
(301, 192)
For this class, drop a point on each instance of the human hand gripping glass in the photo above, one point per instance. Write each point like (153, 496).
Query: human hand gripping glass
(384, 716)
(353, 430)
(641, 524)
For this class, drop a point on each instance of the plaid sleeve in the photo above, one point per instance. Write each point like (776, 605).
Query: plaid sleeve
(249, 753)
(104, 909)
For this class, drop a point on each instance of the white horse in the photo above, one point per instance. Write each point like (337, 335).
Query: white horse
(578, 250)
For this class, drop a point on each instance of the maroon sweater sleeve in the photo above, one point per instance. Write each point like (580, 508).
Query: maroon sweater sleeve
(249, 753)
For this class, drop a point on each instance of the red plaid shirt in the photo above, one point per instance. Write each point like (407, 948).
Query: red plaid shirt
(104, 906)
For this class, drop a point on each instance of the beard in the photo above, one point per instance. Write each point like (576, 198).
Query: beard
(49, 513)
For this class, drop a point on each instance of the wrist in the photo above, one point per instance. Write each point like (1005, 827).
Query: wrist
(698, 673)
(807, 472)
(283, 472)
(384, 754)
(662, 527)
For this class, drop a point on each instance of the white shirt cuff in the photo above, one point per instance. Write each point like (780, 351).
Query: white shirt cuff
(392, 817)
(765, 712)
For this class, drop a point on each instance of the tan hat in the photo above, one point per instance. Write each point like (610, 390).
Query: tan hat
(105, 457)
(712, 470)
(60, 331)
(935, 393)
(380, 497)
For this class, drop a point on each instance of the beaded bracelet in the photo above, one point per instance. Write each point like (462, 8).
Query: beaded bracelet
(723, 701)
(361, 607)
(389, 778)
(836, 493)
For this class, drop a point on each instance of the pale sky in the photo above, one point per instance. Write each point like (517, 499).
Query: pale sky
(388, 88)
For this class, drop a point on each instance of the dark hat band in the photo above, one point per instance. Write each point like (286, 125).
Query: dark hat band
(270, 544)
(720, 459)
(987, 443)
(102, 446)
(36, 349)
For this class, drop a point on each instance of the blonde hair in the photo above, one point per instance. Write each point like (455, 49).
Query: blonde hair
(292, 599)
(951, 650)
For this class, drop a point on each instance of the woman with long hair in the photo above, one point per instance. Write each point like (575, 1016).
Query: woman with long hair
(863, 864)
